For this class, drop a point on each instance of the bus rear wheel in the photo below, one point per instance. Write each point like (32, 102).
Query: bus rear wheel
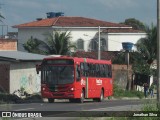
(101, 98)
(50, 100)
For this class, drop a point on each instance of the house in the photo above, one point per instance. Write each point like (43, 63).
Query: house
(17, 70)
(83, 32)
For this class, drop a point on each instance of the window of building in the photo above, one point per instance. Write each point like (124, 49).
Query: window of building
(80, 44)
(94, 44)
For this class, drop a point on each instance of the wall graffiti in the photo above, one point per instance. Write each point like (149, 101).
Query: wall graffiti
(31, 83)
(23, 82)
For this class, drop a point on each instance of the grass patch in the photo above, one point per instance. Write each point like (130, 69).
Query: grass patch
(119, 92)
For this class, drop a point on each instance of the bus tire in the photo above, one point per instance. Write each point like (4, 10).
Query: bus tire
(72, 100)
(81, 99)
(101, 99)
(50, 100)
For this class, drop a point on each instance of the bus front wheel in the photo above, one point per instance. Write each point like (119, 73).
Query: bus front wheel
(50, 100)
(72, 100)
(101, 99)
(81, 99)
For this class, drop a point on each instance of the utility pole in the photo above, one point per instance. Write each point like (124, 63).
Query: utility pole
(158, 51)
(99, 44)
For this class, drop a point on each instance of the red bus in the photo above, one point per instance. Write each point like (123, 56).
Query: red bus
(75, 79)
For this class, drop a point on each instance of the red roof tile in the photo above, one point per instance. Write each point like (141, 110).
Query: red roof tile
(70, 22)
(40, 23)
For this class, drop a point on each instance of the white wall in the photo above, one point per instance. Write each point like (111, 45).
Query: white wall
(115, 40)
(25, 33)
(24, 75)
(76, 33)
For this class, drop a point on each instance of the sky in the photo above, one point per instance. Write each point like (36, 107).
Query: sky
(23, 11)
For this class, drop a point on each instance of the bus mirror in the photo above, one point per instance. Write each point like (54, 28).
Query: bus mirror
(38, 68)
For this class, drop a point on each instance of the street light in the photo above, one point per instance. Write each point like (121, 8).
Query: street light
(99, 44)
(127, 46)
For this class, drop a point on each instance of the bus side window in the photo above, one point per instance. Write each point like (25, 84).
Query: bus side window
(82, 69)
(107, 71)
(92, 70)
(86, 69)
(77, 72)
(110, 71)
(97, 70)
(101, 70)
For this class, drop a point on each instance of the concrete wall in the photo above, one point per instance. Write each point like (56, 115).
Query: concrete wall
(23, 74)
(119, 74)
(25, 33)
(115, 40)
(76, 33)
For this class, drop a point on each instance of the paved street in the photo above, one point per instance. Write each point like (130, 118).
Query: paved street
(74, 110)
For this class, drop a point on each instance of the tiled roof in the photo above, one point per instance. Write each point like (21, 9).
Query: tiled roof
(126, 30)
(64, 21)
(41, 23)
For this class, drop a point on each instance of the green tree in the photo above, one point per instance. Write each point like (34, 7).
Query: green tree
(33, 45)
(146, 51)
(56, 43)
(136, 24)
(147, 46)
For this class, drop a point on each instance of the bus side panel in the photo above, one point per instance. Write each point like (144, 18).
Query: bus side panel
(108, 87)
(93, 89)
(79, 85)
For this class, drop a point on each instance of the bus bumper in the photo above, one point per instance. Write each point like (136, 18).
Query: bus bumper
(59, 95)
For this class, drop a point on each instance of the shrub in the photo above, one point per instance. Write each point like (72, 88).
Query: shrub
(119, 92)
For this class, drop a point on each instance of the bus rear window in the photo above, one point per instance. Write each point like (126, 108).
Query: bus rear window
(58, 62)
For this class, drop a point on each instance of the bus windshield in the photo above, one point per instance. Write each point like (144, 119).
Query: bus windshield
(57, 74)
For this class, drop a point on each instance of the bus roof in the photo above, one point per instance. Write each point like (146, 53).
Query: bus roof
(77, 59)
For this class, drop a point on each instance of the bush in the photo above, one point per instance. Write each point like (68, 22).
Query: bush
(119, 92)
(12, 98)
(8, 98)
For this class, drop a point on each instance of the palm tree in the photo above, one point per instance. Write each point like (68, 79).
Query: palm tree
(56, 43)
(147, 46)
(146, 52)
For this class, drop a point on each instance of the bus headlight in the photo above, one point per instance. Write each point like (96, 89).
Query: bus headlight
(72, 89)
(43, 88)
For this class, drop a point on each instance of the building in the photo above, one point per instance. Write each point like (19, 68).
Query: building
(83, 32)
(17, 70)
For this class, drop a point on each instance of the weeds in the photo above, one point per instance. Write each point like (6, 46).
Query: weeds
(119, 92)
